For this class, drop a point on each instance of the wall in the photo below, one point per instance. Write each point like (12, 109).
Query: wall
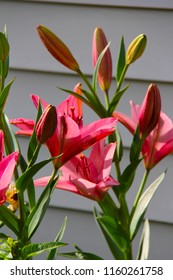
(37, 72)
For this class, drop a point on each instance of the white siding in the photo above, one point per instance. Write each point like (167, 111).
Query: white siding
(37, 72)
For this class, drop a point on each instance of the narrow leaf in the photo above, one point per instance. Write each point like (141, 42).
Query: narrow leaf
(37, 214)
(121, 60)
(11, 143)
(58, 238)
(114, 236)
(144, 246)
(128, 176)
(33, 140)
(26, 177)
(115, 100)
(4, 95)
(143, 204)
(38, 248)
(81, 255)
(9, 219)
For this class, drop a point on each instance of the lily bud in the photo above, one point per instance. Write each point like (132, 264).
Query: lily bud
(4, 47)
(105, 68)
(150, 111)
(47, 124)
(136, 48)
(57, 48)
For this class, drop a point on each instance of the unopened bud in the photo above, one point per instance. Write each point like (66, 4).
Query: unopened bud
(47, 124)
(136, 48)
(150, 111)
(57, 48)
(105, 68)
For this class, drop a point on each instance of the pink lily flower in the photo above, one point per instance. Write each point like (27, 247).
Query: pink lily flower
(70, 138)
(71, 107)
(87, 176)
(159, 142)
(7, 165)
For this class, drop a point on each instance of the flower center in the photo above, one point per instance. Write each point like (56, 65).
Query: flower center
(12, 198)
(83, 168)
(77, 119)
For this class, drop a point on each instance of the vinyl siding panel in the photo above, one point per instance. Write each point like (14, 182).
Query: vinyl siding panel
(28, 53)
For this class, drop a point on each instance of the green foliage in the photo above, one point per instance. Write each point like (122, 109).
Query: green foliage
(142, 205)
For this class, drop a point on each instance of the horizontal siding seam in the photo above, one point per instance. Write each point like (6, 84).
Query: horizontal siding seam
(63, 73)
(125, 6)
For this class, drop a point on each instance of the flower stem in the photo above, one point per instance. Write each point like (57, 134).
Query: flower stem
(84, 78)
(122, 77)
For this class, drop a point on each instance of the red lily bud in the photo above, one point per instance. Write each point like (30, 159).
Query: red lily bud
(105, 68)
(47, 124)
(57, 48)
(150, 111)
(136, 48)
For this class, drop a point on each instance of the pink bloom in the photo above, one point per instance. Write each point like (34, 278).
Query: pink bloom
(7, 165)
(70, 138)
(71, 107)
(159, 142)
(26, 126)
(87, 176)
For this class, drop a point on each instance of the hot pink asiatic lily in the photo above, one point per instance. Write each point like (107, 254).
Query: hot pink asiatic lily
(159, 142)
(69, 138)
(71, 107)
(87, 176)
(7, 165)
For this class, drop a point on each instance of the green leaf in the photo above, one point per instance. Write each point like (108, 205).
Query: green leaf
(121, 60)
(37, 248)
(136, 146)
(37, 214)
(96, 105)
(92, 101)
(115, 100)
(4, 47)
(9, 219)
(79, 254)
(6, 63)
(128, 176)
(58, 238)
(114, 236)
(144, 246)
(11, 143)
(5, 251)
(119, 148)
(95, 73)
(32, 147)
(4, 95)
(142, 205)
(26, 178)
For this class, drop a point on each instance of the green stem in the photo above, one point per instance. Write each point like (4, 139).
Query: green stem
(22, 211)
(84, 78)
(140, 191)
(122, 77)
(107, 99)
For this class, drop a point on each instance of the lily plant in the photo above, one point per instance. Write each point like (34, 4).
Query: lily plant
(97, 175)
